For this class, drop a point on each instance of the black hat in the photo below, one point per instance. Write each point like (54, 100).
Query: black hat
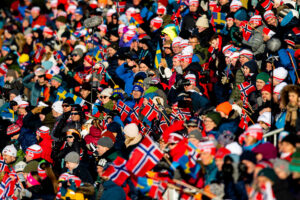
(248, 155)
(86, 86)
(10, 57)
(76, 107)
(61, 19)
(291, 138)
(68, 101)
(46, 110)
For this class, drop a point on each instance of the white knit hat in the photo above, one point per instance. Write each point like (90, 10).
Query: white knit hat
(280, 74)
(279, 87)
(57, 107)
(265, 117)
(184, 43)
(19, 167)
(202, 21)
(132, 131)
(234, 148)
(176, 41)
(236, 4)
(191, 78)
(247, 53)
(187, 54)
(107, 92)
(23, 104)
(10, 150)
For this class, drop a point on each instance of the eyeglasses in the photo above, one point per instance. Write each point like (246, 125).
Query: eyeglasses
(65, 105)
(74, 55)
(103, 97)
(69, 136)
(75, 113)
(151, 74)
(167, 47)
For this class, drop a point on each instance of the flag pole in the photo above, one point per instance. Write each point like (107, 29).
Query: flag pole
(293, 64)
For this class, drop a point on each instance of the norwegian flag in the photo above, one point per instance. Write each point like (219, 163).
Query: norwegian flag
(135, 113)
(56, 55)
(3, 165)
(151, 188)
(123, 109)
(247, 31)
(117, 171)
(176, 17)
(163, 125)
(145, 130)
(267, 5)
(180, 114)
(150, 111)
(39, 54)
(120, 5)
(246, 88)
(7, 187)
(144, 157)
(3, 68)
(244, 120)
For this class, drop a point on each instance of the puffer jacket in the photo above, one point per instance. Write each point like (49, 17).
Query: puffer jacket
(46, 145)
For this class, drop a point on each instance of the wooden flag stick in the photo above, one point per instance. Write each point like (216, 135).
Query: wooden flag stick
(247, 113)
(293, 64)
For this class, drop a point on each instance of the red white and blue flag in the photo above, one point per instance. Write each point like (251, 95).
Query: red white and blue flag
(150, 111)
(144, 157)
(117, 171)
(267, 5)
(123, 109)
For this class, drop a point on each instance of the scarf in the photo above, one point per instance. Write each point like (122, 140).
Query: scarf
(291, 114)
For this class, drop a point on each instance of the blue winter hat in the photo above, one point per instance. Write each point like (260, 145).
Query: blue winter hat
(79, 11)
(241, 15)
(138, 86)
(6, 48)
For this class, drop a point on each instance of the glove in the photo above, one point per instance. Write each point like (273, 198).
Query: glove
(26, 193)
(224, 80)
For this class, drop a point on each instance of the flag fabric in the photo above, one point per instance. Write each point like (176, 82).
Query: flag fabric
(244, 120)
(135, 113)
(218, 20)
(95, 110)
(144, 157)
(163, 125)
(158, 56)
(120, 6)
(151, 188)
(80, 32)
(117, 171)
(136, 20)
(123, 109)
(246, 31)
(150, 111)
(7, 187)
(61, 94)
(144, 129)
(246, 88)
(8, 114)
(77, 99)
(180, 114)
(39, 54)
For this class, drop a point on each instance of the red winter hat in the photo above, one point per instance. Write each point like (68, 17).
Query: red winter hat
(161, 10)
(48, 31)
(43, 130)
(222, 152)
(175, 138)
(267, 88)
(3, 69)
(34, 151)
(255, 131)
(156, 22)
(13, 129)
(207, 146)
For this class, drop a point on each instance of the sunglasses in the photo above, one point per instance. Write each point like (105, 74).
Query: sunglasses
(69, 136)
(103, 97)
(75, 113)
(65, 105)
(40, 76)
(74, 55)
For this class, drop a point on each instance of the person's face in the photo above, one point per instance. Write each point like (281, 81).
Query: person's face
(191, 128)
(206, 158)
(223, 2)
(280, 173)
(28, 40)
(233, 61)
(8, 159)
(4, 53)
(266, 96)
(229, 22)
(193, 8)
(136, 2)
(246, 71)
(77, 17)
(34, 14)
(42, 117)
(287, 147)
(233, 9)
(9, 62)
(209, 124)
(66, 107)
(25, 23)
(275, 97)
(188, 87)
(250, 166)
(265, 37)
(261, 181)
(167, 49)
(184, 64)
(193, 42)
(71, 165)
(272, 21)
(293, 98)
(176, 62)
(135, 68)
(75, 116)
(111, 52)
(243, 60)
(69, 137)
(215, 43)
(167, 37)
(12, 96)
(263, 125)
(249, 140)
(194, 141)
(219, 163)
(84, 93)
(227, 60)
(176, 49)
(21, 111)
(75, 57)
(54, 83)
(136, 94)
(260, 84)
(28, 158)
(100, 170)
(143, 67)
(104, 99)
(101, 150)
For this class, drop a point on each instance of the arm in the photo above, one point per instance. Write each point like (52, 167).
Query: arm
(27, 81)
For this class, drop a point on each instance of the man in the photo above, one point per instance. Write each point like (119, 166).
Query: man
(55, 83)
(195, 137)
(33, 153)
(105, 149)
(39, 89)
(37, 18)
(9, 154)
(156, 28)
(208, 151)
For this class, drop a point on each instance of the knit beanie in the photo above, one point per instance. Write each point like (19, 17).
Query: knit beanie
(280, 74)
(255, 131)
(10, 150)
(13, 129)
(269, 173)
(224, 107)
(283, 165)
(215, 117)
(267, 150)
(263, 76)
(105, 142)
(291, 139)
(176, 41)
(236, 4)
(31, 166)
(43, 130)
(107, 92)
(34, 151)
(295, 163)
(268, 14)
(207, 146)
(222, 152)
(156, 22)
(138, 86)
(279, 87)
(195, 134)
(267, 88)
(202, 21)
(247, 53)
(248, 155)
(187, 54)
(241, 15)
(57, 107)
(20, 166)
(256, 19)
(57, 78)
(265, 118)
(72, 157)
(175, 138)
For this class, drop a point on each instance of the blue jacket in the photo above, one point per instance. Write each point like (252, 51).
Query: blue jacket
(27, 138)
(34, 87)
(127, 76)
(210, 173)
(112, 191)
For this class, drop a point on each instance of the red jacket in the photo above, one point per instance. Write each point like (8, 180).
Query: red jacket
(46, 145)
(40, 20)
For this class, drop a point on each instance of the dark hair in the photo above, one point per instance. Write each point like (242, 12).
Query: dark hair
(50, 174)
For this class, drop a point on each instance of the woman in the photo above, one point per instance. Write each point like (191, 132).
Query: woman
(211, 123)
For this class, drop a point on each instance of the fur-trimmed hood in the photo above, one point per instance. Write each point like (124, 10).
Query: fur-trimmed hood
(284, 95)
